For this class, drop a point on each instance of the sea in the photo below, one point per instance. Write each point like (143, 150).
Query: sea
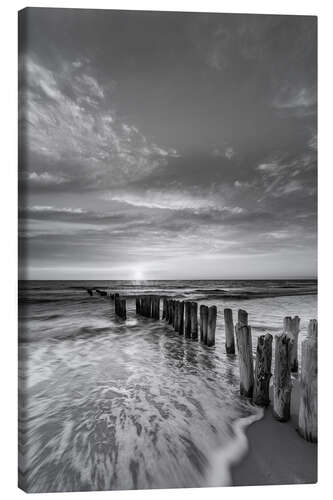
(111, 404)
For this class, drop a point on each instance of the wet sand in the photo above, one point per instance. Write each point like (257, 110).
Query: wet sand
(277, 453)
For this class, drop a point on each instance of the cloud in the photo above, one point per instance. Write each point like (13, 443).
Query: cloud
(74, 134)
(269, 167)
(176, 200)
(229, 153)
(45, 178)
(313, 142)
(291, 97)
(66, 210)
(291, 187)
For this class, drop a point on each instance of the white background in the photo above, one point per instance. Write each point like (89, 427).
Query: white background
(8, 246)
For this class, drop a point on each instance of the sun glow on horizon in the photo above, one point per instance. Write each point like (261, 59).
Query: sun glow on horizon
(138, 274)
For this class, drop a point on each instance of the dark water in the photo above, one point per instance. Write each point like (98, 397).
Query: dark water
(108, 404)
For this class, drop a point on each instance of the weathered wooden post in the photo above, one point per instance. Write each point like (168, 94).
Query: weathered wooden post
(158, 299)
(212, 313)
(194, 320)
(229, 332)
(187, 320)
(244, 345)
(308, 409)
(90, 291)
(201, 322)
(155, 304)
(123, 308)
(167, 310)
(174, 319)
(181, 318)
(282, 378)
(170, 312)
(204, 324)
(291, 328)
(177, 319)
(242, 317)
(164, 308)
(175, 315)
(116, 303)
(262, 373)
(150, 306)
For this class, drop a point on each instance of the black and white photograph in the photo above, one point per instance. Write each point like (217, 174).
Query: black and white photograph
(167, 239)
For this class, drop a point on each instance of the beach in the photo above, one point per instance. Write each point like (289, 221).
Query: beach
(277, 454)
(113, 404)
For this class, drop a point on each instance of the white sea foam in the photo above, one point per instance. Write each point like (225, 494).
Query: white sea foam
(223, 459)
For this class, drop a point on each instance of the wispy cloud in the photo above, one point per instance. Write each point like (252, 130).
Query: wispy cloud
(176, 200)
(291, 97)
(70, 126)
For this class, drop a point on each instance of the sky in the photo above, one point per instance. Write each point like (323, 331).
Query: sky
(167, 145)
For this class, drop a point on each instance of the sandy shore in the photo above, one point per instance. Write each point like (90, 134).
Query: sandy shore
(277, 454)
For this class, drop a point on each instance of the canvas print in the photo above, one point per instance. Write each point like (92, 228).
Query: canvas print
(167, 249)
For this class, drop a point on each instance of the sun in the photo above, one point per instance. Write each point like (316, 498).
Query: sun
(138, 274)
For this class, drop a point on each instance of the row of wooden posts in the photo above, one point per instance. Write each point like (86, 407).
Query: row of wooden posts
(254, 377)
(148, 306)
(182, 315)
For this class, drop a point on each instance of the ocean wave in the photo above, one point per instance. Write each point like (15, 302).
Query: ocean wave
(233, 453)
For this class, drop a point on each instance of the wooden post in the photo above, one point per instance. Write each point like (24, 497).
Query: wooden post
(282, 378)
(170, 312)
(229, 332)
(153, 306)
(201, 323)
(204, 324)
(308, 409)
(194, 320)
(291, 328)
(244, 345)
(158, 307)
(242, 317)
(175, 312)
(164, 308)
(167, 310)
(150, 306)
(123, 308)
(181, 318)
(212, 313)
(176, 322)
(116, 303)
(187, 320)
(262, 374)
